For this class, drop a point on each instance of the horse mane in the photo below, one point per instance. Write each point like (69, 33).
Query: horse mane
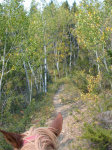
(45, 139)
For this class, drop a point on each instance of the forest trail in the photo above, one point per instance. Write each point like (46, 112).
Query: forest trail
(66, 136)
(73, 120)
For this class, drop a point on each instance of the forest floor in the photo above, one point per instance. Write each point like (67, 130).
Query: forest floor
(75, 113)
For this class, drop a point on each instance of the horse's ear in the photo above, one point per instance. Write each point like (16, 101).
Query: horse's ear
(57, 124)
(12, 138)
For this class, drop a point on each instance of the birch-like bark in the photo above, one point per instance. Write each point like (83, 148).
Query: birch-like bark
(74, 59)
(57, 63)
(55, 74)
(45, 59)
(33, 73)
(45, 72)
(66, 68)
(31, 90)
(3, 69)
(54, 62)
(98, 66)
(70, 64)
(41, 79)
(56, 57)
(27, 78)
(104, 61)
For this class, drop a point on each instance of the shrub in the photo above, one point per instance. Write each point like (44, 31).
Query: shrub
(100, 138)
(79, 78)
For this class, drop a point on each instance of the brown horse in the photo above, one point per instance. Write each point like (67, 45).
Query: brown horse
(43, 138)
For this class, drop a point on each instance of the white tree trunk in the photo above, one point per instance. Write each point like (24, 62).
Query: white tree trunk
(35, 79)
(27, 78)
(70, 65)
(98, 66)
(3, 69)
(56, 58)
(41, 79)
(97, 62)
(45, 72)
(31, 90)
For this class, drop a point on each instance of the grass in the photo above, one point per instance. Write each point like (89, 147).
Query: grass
(40, 110)
(36, 114)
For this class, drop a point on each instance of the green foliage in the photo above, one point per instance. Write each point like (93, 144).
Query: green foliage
(37, 112)
(74, 7)
(106, 103)
(65, 5)
(101, 138)
(93, 31)
(61, 32)
(79, 78)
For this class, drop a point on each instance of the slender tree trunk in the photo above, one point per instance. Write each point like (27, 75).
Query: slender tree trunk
(70, 64)
(97, 62)
(63, 68)
(45, 59)
(56, 58)
(57, 64)
(45, 72)
(111, 47)
(3, 69)
(106, 67)
(98, 66)
(35, 80)
(27, 78)
(66, 68)
(55, 75)
(43, 86)
(74, 59)
(40, 79)
(31, 90)
(104, 61)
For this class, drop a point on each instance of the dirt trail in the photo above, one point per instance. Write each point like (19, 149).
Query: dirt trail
(72, 121)
(67, 137)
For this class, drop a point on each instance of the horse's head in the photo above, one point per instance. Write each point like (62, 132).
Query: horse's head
(36, 138)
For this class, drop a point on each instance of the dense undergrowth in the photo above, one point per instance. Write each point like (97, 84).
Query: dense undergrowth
(98, 131)
(96, 121)
(71, 45)
(79, 86)
(37, 112)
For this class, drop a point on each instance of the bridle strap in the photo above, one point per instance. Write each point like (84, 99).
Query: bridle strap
(29, 139)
